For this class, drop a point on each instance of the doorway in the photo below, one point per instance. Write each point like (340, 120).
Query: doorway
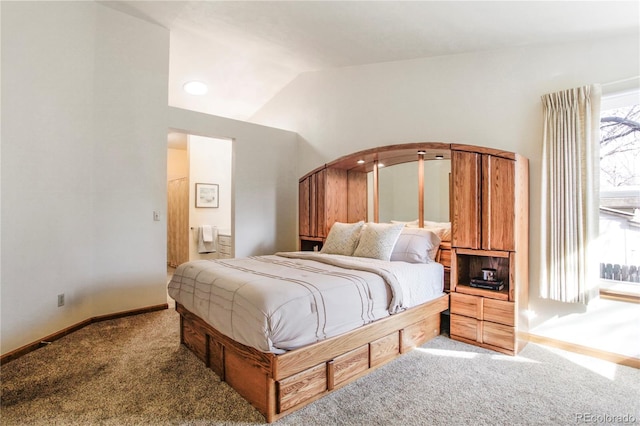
(191, 161)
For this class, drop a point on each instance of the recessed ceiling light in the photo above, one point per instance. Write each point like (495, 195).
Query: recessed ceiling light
(197, 88)
(360, 161)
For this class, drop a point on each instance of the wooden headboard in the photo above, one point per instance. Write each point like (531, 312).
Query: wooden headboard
(338, 191)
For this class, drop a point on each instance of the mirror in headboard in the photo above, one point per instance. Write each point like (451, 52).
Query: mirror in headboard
(437, 187)
(404, 182)
(399, 186)
(397, 192)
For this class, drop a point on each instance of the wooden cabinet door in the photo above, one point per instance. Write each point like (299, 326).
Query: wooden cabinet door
(177, 222)
(356, 196)
(318, 212)
(308, 205)
(304, 207)
(498, 203)
(465, 222)
(334, 198)
(323, 200)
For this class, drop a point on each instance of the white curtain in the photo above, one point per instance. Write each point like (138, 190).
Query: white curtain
(570, 195)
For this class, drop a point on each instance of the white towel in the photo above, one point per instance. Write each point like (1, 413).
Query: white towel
(207, 233)
(207, 246)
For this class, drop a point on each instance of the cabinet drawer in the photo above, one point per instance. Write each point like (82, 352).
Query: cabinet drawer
(226, 250)
(467, 305)
(499, 335)
(224, 240)
(350, 365)
(385, 348)
(195, 338)
(302, 386)
(499, 311)
(464, 327)
(416, 334)
(216, 357)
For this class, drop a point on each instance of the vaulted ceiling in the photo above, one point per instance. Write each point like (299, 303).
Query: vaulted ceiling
(248, 51)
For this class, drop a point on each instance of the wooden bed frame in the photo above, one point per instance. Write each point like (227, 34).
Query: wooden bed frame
(276, 385)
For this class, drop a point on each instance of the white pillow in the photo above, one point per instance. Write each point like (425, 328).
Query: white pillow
(342, 238)
(377, 240)
(437, 224)
(441, 229)
(416, 245)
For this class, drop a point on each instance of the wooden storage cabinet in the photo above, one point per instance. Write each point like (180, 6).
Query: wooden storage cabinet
(484, 201)
(326, 196)
(484, 321)
(489, 230)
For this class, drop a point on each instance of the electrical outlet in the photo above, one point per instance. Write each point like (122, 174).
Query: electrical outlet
(61, 300)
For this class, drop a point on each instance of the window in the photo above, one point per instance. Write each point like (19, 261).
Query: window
(620, 193)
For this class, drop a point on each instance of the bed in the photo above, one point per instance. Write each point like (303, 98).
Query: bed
(286, 329)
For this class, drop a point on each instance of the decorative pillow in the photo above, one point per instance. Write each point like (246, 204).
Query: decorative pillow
(377, 240)
(416, 245)
(342, 238)
(441, 229)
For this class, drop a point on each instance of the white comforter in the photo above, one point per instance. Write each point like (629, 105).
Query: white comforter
(280, 302)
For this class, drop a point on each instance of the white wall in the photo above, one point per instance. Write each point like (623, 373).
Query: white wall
(489, 99)
(84, 97)
(265, 180)
(210, 162)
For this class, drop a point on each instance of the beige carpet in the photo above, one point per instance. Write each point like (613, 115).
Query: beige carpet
(132, 371)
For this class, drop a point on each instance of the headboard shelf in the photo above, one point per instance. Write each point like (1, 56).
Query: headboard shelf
(391, 155)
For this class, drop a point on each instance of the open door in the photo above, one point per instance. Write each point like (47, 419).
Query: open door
(177, 222)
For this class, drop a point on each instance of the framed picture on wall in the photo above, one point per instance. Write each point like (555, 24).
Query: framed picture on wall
(207, 195)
